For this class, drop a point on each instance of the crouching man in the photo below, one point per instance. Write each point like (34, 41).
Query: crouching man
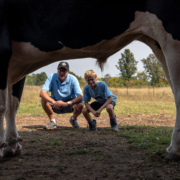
(66, 96)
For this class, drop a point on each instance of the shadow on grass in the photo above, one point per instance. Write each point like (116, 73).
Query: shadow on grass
(65, 127)
(41, 127)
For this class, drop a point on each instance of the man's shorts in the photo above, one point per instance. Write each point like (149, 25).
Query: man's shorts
(96, 105)
(68, 109)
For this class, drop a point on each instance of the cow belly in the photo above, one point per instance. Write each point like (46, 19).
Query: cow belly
(26, 53)
(26, 58)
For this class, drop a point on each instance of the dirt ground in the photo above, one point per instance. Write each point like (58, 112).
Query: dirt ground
(68, 154)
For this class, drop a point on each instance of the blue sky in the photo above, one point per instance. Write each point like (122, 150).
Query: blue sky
(79, 66)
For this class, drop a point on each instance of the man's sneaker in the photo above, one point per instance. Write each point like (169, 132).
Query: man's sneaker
(51, 125)
(92, 126)
(114, 125)
(74, 123)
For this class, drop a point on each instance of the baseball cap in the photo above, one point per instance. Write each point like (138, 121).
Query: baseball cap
(63, 65)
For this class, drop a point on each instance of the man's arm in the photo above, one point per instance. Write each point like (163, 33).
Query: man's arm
(76, 100)
(77, 91)
(109, 100)
(90, 108)
(44, 95)
(98, 112)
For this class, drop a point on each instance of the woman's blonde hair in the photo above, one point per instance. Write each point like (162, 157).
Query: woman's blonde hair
(90, 73)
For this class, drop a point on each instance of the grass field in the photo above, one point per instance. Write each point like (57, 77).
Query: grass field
(159, 101)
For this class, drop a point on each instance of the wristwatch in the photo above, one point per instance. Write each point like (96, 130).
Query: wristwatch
(68, 103)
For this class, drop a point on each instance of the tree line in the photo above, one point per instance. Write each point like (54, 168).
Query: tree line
(40, 78)
(152, 74)
(36, 79)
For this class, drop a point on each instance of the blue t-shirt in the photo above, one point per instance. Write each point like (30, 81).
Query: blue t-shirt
(100, 93)
(65, 91)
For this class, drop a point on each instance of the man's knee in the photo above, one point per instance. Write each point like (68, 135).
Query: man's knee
(85, 110)
(109, 107)
(78, 106)
(43, 102)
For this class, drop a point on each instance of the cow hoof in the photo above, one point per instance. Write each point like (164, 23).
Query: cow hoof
(19, 139)
(12, 151)
(171, 156)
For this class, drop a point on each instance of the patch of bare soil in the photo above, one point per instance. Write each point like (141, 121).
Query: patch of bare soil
(69, 154)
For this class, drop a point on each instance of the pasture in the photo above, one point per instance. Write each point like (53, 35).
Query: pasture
(135, 152)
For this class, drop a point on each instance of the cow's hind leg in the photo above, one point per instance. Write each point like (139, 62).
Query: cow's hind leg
(172, 57)
(11, 134)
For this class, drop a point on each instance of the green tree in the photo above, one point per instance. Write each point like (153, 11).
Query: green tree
(34, 78)
(99, 79)
(153, 68)
(142, 76)
(40, 78)
(106, 78)
(115, 82)
(127, 65)
(29, 80)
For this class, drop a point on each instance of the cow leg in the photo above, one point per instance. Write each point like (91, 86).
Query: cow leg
(11, 134)
(173, 151)
(5, 55)
(3, 98)
(171, 67)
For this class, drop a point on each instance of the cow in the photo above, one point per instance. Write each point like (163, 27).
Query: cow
(36, 33)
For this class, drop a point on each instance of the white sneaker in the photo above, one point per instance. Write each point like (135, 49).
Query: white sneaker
(51, 125)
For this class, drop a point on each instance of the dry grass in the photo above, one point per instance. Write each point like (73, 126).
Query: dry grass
(144, 94)
(31, 95)
(30, 102)
(157, 101)
(138, 101)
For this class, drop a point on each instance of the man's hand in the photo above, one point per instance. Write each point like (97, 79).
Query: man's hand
(62, 104)
(97, 113)
(58, 104)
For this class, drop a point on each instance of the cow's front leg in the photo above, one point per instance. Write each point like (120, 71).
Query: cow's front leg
(11, 134)
(5, 55)
(3, 98)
